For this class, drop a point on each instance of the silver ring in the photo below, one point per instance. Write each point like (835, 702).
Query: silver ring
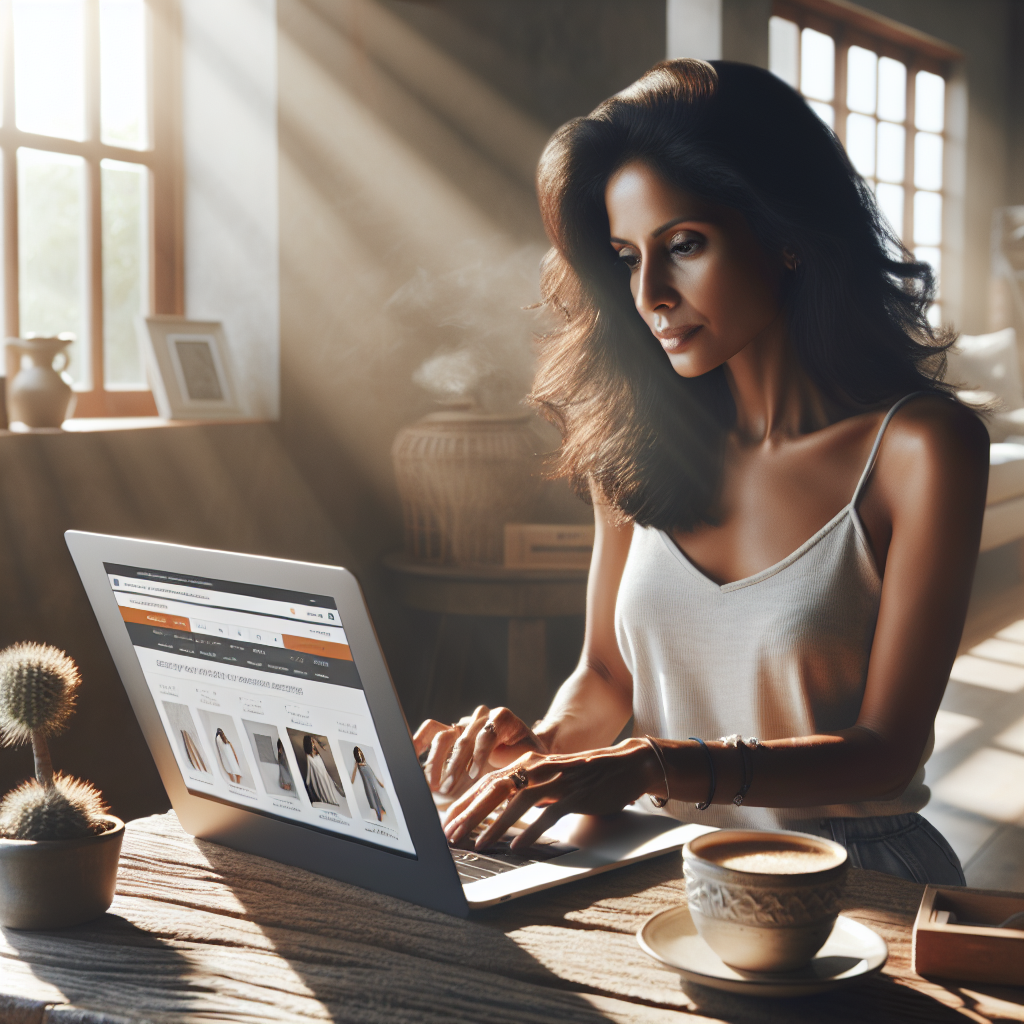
(489, 727)
(519, 778)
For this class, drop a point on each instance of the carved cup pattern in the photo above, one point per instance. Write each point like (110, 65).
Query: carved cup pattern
(779, 908)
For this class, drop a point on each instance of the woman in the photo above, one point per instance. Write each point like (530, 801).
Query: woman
(370, 782)
(788, 503)
(319, 784)
(284, 773)
(228, 758)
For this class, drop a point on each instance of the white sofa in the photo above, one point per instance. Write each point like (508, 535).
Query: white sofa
(1004, 508)
(987, 368)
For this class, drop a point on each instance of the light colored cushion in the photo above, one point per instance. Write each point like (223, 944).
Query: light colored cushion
(988, 362)
(1004, 522)
(1006, 472)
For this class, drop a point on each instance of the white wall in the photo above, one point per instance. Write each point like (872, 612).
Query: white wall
(229, 127)
(693, 29)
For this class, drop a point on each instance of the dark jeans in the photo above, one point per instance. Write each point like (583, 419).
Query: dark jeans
(905, 845)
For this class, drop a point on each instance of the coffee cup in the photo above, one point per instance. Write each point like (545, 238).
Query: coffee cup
(764, 900)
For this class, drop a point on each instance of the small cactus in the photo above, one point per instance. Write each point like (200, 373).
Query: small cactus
(69, 809)
(37, 696)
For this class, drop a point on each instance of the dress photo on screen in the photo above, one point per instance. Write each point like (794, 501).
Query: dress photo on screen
(188, 735)
(318, 770)
(271, 760)
(223, 735)
(365, 775)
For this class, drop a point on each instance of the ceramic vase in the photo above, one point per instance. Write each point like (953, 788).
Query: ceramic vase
(37, 395)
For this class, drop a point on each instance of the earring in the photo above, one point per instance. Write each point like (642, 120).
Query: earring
(790, 259)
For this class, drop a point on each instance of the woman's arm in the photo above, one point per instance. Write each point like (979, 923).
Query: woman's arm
(594, 704)
(590, 708)
(923, 509)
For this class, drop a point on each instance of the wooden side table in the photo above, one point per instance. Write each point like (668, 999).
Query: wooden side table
(526, 597)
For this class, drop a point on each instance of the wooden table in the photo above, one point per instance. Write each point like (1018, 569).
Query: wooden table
(199, 932)
(526, 597)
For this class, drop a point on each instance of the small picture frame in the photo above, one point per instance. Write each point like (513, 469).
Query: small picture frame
(189, 368)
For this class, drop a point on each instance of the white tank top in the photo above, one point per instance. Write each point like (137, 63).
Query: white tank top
(781, 653)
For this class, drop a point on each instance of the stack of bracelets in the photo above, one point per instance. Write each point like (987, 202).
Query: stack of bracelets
(744, 745)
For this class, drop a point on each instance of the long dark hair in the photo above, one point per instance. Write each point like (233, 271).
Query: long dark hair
(648, 441)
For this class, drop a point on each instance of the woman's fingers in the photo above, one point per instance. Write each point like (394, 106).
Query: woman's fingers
(544, 821)
(425, 735)
(440, 749)
(526, 782)
(462, 751)
(516, 807)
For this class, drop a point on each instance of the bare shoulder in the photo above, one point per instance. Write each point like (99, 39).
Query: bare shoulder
(937, 443)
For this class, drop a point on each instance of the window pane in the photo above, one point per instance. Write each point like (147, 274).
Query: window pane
(892, 141)
(824, 111)
(929, 102)
(928, 161)
(892, 89)
(861, 77)
(932, 255)
(783, 40)
(927, 218)
(49, 67)
(125, 270)
(817, 65)
(123, 73)
(51, 201)
(860, 143)
(890, 202)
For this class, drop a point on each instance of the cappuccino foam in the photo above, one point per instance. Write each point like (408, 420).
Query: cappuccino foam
(767, 857)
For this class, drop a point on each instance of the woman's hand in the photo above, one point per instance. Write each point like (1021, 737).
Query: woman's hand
(458, 752)
(592, 782)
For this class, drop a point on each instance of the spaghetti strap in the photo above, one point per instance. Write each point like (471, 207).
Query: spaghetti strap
(878, 441)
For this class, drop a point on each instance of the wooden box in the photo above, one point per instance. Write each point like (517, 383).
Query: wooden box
(977, 950)
(540, 546)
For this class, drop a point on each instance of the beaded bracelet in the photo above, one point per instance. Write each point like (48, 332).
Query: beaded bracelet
(711, 768)
(657, 800)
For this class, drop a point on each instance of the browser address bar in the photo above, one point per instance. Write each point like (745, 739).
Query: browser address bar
(242, 602)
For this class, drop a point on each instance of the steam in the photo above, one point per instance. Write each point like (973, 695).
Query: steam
(473, 322)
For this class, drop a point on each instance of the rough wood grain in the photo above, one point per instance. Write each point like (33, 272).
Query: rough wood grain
(199, 932)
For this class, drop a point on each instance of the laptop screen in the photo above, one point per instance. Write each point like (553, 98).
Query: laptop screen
(262, 702)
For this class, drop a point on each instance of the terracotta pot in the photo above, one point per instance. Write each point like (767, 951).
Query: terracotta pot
(462, 475)
(58, 883)
(37, 395)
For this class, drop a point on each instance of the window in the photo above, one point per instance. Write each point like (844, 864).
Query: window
(882, 89)
(90, 176)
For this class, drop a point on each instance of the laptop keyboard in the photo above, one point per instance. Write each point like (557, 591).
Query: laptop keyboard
(473, 866)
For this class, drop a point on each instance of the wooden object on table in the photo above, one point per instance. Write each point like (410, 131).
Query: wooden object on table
(544, 546)
(526, 597)
(978, 951)
(200, 932)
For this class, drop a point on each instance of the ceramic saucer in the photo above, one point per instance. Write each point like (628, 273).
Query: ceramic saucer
(852, 952)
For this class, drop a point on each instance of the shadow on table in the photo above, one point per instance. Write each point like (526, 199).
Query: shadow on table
(95, 956)
(365, 956)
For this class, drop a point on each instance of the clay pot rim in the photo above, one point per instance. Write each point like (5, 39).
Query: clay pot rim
(115, 827)
(765, 879)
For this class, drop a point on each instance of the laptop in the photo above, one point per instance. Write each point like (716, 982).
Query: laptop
(266, 702)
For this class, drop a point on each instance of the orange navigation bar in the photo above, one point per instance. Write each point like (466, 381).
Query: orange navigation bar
(154, 618)
(324, 648)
